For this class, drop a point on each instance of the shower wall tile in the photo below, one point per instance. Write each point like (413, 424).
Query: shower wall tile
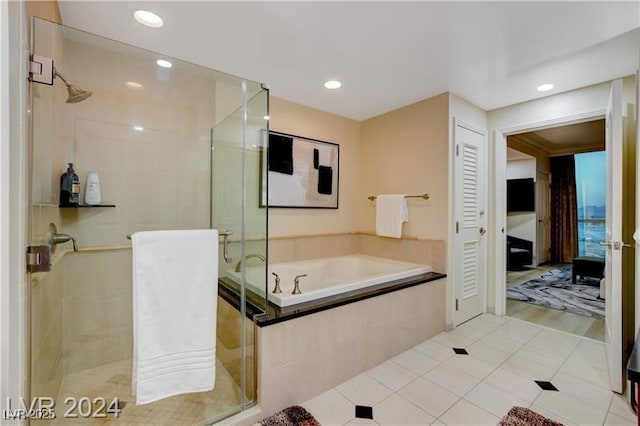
(97, 307)
(46, 332)
(158, 178)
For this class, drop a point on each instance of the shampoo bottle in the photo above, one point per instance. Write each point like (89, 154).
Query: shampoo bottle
(69, 188)
(92, 190)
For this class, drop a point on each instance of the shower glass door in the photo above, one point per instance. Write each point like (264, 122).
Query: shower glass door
(146, 131)
(237, 152)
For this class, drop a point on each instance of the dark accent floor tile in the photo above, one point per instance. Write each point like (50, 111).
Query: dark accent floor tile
(460, 351)
(548, 386)
(364, 412)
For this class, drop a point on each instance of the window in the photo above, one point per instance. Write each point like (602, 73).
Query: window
(590, 188)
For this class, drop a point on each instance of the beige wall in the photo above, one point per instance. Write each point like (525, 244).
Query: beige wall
(44, 9)
(406, 152)
(288, 117)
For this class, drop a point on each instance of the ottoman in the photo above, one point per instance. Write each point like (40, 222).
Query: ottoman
(586, 266)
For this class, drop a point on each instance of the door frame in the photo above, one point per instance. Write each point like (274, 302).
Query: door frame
(499, 222)
(546, 244)
(14, 197)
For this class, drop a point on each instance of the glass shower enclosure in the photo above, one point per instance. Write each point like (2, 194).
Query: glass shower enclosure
(174, 148)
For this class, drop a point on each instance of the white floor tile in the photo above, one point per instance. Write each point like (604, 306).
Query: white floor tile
(582, 369)
(359, 421)
(363, 390)
(430, 397)
(486, 353)
(396, 410)
(555, 342)
(552, 416)
(494, 400)
(593, 353)
(518, 330)
(501, 342)
(435, 350)
(472, 331)
(510, 382)
(533, 354)
(392, 375)
(570, 408)
(526, 368)
(620, 407)
(452, 380)
(583, 391)
(415, 361)
(331, 408)
(470, 365)
(495, 319)
(550, 347)
(466, 413)
(613, 420)
(452, 340)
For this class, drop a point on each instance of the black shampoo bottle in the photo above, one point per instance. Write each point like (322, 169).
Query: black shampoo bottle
(69, 188)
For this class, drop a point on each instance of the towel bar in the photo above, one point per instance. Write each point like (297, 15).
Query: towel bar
(423, 196)
(225, 253)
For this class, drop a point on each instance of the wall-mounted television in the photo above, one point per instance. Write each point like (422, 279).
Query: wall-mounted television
(521, 195)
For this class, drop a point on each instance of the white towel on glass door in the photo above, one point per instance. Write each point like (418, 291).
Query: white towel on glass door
(175, 289)
(391, 213)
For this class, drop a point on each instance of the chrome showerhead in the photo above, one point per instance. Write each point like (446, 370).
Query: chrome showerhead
(75, 93)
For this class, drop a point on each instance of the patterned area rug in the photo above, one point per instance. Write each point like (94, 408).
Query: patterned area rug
(555, 290)
(291, 416)
(521, 416)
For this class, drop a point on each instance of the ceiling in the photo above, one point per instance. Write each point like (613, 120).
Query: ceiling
(570, 139)
(386, 54)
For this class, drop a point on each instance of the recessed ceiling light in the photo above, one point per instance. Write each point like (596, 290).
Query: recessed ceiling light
(148, 18)
(138, 128)
(545, 87)
(332, 84)
(164, 63)
(134, 85)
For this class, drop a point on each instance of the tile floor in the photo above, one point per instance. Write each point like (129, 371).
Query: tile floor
(431, 384)
(114, 380)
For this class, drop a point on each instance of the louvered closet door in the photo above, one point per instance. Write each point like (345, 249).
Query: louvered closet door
(470, 270)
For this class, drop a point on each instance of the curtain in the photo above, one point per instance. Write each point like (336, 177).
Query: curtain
(564, 209)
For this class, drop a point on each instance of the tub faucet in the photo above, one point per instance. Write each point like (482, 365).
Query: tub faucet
(276, 289)
(296, 284)
(249, 256)
(55, 238)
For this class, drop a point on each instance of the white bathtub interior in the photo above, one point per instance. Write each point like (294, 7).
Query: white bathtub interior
(328, 276)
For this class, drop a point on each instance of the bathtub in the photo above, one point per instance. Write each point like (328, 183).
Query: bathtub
(328, 276)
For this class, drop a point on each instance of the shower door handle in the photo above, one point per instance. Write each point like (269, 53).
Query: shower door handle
(225, 245)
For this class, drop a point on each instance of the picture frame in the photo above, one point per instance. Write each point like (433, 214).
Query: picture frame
(299, 172)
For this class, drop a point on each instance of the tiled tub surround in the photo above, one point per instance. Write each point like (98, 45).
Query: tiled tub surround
(407, 249)
(301, 358)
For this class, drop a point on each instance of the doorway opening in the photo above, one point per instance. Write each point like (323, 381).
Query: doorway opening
(555, 223)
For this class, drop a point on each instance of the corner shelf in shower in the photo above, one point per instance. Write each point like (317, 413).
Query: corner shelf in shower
(86, 206)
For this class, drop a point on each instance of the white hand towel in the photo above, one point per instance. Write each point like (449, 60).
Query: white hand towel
(391, 213)
(175, 296)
